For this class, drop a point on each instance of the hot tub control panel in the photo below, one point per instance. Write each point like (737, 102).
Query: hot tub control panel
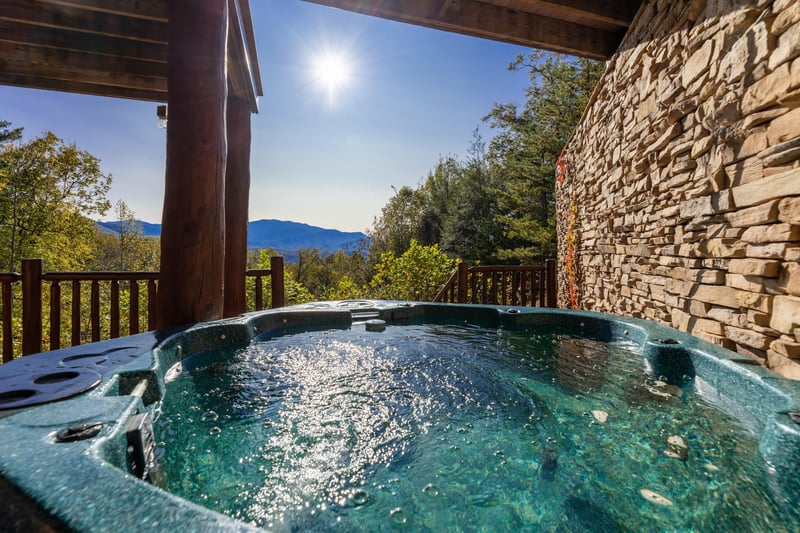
(141, 445)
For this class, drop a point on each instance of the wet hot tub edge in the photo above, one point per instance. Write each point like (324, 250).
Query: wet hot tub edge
(86, 484)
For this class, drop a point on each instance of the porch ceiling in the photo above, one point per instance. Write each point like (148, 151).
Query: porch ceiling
(109, 48)
(585, 28)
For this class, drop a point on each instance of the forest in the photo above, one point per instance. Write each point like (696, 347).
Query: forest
(496, 205)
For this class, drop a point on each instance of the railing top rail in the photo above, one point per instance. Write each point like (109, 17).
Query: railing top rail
(99, 276)
(258, 272)
(6, 277)
(506, 268)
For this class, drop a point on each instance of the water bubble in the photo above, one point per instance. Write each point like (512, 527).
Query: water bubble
(360, 497)
(398, 516)
(214, 431)
(431, 490)
(209, 416)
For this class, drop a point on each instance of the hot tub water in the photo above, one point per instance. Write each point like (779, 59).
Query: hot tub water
(456, 427)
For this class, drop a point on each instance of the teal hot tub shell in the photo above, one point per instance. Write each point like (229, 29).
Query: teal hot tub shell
(66, 463)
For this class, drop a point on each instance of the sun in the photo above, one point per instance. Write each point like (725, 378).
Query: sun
(331, 72)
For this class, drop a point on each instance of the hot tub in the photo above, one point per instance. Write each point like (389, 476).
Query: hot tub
(375, 415)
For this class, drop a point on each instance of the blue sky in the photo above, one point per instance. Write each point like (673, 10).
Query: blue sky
(323, 157)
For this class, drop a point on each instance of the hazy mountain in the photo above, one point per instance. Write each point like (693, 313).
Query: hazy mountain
(281, 235)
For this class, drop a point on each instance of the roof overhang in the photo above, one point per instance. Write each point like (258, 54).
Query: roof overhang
(110, 48)
(585, 28)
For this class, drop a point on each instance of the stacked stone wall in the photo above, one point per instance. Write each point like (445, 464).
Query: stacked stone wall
(681, 198)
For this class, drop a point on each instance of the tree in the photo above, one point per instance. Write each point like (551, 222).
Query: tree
(436, 200)
(417, 274)
(471, 229)
(398, 224)
(48, 192)
(523, 155)
(128, 248)
(9, 135)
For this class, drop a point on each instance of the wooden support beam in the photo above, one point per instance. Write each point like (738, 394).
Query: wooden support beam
(490, 21)
(617, 12)
(193, 232)
(237, 196)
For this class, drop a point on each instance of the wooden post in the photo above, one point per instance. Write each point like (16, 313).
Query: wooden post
(31, 306)
(550, 283)
(463, 274)
(276, 278)
(193, 232)
(237, 195)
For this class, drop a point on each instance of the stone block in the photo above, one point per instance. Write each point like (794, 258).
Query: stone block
(789, 210)
(716, 294)
(765, 213)
(727, 316)
(766, 91)
(785, 314)
(754, 142)
(746, 283)
(771, 188)
(786, 347)
(708, 326)
(756, 317)
(786, 17)
(760, 356)
(775, 250)
(743, 172)
(755, 267)
(722, 248)
(781, 154)
(784, 127)
(787, 47)
(780, 364)
(748, 337)
(698, 63)
(781, 232)
(789, 279)
(755, 301)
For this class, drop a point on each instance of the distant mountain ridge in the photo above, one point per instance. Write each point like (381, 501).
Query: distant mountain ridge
(283, 236)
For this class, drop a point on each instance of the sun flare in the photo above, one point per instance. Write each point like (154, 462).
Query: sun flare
(331, 72)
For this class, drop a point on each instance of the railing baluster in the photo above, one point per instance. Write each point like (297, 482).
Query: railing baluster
(8, 339)
(114, 327)
(94, 310)
(55, 315)
(133, 309)
(151, 304)
(76, 312)
(259, 293)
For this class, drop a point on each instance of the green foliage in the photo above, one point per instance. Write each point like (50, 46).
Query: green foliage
(294, 291)
(471, 230)
(398, 224)
(48, 191)
(128, 249)
(417, 274)
(523, 155)
(320, 272)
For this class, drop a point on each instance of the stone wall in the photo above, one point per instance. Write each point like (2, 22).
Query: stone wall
(681, 198)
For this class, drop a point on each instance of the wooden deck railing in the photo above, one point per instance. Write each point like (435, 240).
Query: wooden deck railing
(502, 285)
(111, 296)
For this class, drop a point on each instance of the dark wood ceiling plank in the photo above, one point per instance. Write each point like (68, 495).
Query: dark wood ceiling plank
(24, 67)
(16, 32)
(493, 22)
(619, 12)
(73, 86)
(155, 10)
(12, 55)
(57, 17)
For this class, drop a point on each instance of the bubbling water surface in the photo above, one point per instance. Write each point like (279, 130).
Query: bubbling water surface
(456, 428)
